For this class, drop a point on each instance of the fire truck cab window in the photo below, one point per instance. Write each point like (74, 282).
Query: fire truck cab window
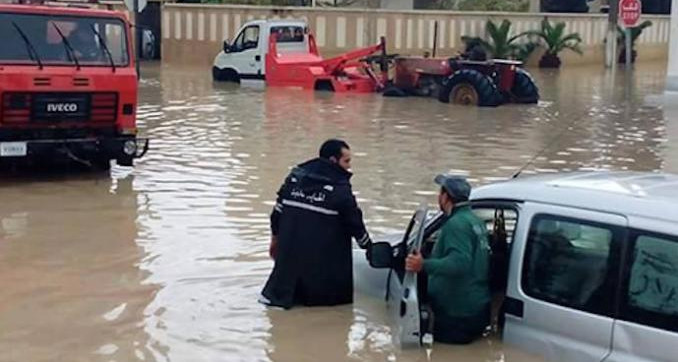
(57, 40)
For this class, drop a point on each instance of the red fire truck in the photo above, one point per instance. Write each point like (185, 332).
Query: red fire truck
(68, 86)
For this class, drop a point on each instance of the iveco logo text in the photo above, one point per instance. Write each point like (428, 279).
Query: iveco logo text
(62, 107)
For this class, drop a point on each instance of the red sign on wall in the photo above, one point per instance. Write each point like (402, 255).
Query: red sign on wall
(629, 12)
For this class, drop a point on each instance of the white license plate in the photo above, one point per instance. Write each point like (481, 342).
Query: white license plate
(13, 149)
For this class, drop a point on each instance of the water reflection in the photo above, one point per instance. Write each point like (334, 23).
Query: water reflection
(71, 290)
(165, 261)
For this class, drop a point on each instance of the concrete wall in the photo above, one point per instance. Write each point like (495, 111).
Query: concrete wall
(193, 33)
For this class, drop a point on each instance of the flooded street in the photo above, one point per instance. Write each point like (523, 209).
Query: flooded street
(166, 261)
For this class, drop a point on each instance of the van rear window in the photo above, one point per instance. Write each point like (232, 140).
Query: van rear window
(650, 291)
(654, 276)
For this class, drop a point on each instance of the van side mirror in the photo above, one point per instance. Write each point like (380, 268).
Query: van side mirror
(380, 255)
(227, 47)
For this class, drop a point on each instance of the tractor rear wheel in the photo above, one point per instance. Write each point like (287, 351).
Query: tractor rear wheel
(465, 94)
(470, 87)
(524, 89)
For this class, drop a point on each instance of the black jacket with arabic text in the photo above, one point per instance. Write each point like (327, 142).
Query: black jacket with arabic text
(314, 218)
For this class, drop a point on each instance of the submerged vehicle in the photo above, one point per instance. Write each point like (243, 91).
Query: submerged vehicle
(284, 53)
(68, 86)
(592, 269)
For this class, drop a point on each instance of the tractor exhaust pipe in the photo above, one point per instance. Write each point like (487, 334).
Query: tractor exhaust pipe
(383, 64)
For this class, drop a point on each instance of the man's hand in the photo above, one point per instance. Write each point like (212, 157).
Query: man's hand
(273, 248)
(414, 262)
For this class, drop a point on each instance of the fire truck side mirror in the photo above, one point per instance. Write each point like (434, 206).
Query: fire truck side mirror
(227, 47)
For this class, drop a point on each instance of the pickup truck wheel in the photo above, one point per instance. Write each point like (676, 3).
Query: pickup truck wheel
(324, 85)
(225, 75)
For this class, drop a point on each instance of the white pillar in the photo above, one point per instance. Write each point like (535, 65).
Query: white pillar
(535, 6)
(672, 71)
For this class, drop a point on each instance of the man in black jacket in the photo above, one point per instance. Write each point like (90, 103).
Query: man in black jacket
(312, 223)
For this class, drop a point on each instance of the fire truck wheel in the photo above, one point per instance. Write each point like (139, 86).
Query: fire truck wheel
(524, 89)
(101, 163)
(125, 161)
(470, 87)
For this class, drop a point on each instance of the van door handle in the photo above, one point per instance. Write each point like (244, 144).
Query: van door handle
(257, 58)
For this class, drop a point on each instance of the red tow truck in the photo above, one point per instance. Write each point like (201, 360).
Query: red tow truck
(344, 73)
(68, 87)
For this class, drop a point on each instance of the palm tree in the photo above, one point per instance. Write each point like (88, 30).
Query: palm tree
(635, 34)
(500, 44)
(555, 40)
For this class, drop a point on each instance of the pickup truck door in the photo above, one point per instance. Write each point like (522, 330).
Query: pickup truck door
(247, 52)
(403, 301)
(562, 282)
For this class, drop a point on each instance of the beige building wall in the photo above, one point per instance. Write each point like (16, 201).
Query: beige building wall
(193, 33)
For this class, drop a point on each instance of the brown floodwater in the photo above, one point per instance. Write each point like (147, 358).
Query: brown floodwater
(165, 261)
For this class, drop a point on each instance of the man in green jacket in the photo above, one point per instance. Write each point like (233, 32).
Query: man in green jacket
(458, 268)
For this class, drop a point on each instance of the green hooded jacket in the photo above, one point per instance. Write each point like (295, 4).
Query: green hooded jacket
(458, 269)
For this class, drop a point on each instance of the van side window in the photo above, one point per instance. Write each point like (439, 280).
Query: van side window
(572, 263)
(247, 39)
(651, 294)
(490, 215)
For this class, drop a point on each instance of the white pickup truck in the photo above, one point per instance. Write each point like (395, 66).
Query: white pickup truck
(245, 57)
(593, 266)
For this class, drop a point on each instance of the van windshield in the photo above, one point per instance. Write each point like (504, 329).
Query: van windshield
(57, 40)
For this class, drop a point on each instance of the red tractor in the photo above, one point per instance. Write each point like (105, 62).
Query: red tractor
(481, 83)
(68, 86)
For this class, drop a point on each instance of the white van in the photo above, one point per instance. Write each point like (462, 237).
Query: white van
(245, 57)
(593, 266)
